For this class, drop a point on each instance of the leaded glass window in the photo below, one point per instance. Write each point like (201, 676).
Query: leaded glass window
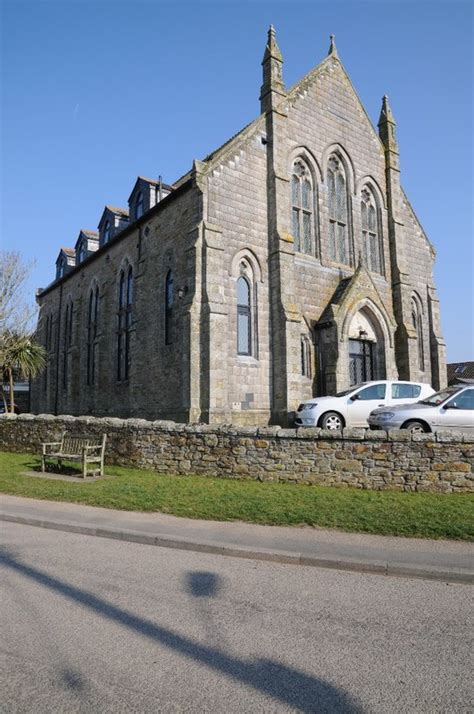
(169, 302)
(92, 331)
(338, 213)
(139, 205)
(106, 231)
(302, 199)
(305, 357)
(417, 322)
(244, 317)
(67, 342)
(124, 324)
(371, 239)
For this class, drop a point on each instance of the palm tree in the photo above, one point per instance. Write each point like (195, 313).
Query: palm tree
(20, 355)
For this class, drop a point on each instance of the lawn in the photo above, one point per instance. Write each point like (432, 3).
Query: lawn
(422, 515)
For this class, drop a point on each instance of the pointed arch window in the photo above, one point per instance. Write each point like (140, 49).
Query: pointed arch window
(244, 317)
(305, 356)
(169, 303)
(417, 323)
(124, 324)
(302, 211)
(371, 238)
(67, 344)
(338, 213)
(92, 332)
(139, 205)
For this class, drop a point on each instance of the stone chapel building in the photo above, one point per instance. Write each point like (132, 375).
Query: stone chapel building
(287, 263)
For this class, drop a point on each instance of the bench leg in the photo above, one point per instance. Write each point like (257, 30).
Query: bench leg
(43, 463)
(84, 468)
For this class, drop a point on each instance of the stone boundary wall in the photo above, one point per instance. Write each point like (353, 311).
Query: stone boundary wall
(361, 458)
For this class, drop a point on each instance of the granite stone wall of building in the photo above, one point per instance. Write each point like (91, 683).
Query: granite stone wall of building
(398, 460)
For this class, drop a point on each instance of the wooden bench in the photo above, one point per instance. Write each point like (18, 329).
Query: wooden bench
(88, 450)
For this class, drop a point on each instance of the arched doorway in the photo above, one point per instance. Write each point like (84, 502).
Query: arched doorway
(366, 347)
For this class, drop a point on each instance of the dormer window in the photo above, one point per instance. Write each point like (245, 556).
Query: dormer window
(139, 206)
(107, 231)
(82, 254)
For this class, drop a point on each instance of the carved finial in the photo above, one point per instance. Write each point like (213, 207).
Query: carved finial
(272, 49)
(332, 46)
(386, 114)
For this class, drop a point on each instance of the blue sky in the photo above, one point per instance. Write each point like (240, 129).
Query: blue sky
(95, 93)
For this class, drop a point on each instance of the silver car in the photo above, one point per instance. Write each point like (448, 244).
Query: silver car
(451, 408)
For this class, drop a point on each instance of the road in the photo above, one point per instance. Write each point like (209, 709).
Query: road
(96, 625)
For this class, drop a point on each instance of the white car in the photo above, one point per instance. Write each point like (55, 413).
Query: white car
(353, 406)
(451, 408)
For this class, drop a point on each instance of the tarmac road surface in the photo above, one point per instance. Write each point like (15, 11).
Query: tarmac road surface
(97, 625)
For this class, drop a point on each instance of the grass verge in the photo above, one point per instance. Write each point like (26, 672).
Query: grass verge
(422, 515)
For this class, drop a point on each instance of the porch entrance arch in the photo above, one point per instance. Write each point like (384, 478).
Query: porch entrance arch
(366, 348)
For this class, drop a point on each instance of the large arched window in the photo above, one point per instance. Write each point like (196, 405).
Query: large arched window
(92, 329)
(124, 324)
(302, 200)
(67, 343)
(371, 238)
(244, 317)
(417, 323)
(169, 302)
(139, 205)
(338, 213)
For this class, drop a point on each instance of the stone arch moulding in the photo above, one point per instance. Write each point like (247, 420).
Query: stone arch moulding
(378, 313)
(125, 264)
(374, 186)
(251, 258)
(340, 151)
(418, 301)
(302, 152)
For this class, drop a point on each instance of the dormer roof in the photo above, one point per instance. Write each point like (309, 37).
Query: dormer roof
(117, 211)
(88, 236)
(151, 182)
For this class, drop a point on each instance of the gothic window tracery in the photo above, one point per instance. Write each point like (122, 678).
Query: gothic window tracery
(338, 212)
(302, 211)
(371, 239)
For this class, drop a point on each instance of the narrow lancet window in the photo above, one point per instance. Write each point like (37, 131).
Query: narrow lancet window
(244, 320)
(302, 200)
(169, 302)
(371, 238)
(338, 214)
(124, 324)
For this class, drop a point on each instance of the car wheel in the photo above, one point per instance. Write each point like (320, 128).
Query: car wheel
(332, 421)
(416, 427)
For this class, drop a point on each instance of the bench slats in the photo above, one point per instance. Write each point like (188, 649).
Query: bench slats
(88, 450)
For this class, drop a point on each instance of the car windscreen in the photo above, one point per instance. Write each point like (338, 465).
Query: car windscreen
(439, 397)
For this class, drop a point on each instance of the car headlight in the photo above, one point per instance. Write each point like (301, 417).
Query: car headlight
(311, 406)
(385, 415)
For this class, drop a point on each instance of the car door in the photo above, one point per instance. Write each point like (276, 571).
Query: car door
(404, 393)
(458, 412)
(361, 403)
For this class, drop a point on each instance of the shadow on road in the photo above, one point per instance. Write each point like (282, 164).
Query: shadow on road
(296, 689)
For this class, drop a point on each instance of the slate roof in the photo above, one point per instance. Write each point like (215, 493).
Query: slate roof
(120, 211)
